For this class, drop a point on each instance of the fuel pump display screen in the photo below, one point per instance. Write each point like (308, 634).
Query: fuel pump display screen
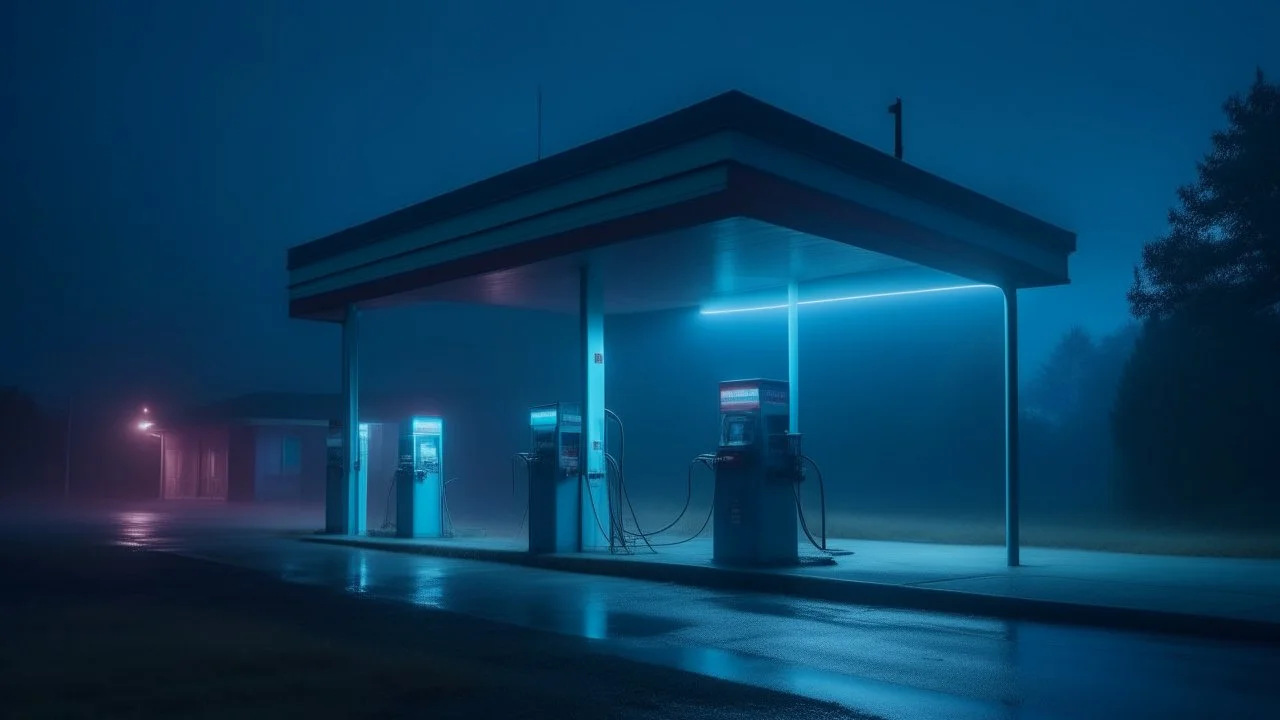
(737, 434)
(428, 453)
(569, 452)
(736, 431)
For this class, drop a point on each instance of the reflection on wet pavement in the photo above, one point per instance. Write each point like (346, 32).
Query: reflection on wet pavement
(137, 529)
(897, 664)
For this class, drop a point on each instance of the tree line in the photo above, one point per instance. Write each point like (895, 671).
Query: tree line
(1180, 412)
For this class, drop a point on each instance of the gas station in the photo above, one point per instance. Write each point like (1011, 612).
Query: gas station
(725, 206)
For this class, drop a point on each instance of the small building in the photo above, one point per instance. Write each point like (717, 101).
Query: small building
(271, 447)
(264, 446)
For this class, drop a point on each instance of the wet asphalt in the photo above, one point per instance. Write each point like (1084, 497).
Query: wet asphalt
(712, 653)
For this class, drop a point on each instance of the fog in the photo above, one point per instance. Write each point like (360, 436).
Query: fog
(901, 405)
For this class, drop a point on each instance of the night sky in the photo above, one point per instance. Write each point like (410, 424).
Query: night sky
(160, 157)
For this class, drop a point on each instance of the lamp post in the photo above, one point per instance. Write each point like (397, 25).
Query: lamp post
(146, 424)
(66, 447)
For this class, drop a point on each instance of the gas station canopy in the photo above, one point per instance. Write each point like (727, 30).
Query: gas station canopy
(728, 197)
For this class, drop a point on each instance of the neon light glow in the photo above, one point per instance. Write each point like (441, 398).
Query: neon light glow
(427, 426)
(364, 430)
(545, 416)
(821, 301)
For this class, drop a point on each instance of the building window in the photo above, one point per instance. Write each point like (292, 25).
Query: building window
(290, 455)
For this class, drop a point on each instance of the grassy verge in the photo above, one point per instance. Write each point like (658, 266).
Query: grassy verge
(1085, 534)
(142, 657)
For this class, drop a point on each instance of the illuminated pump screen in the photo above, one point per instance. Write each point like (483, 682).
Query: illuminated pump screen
(737, 431)
(428, 452)
(427, 426)
(543, 417)
(569, 452)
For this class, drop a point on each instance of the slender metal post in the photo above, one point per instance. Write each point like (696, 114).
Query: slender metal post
(66, 466)
(1012, 461)
(356, 514)
(896, 111)
(793, 355)
(163, 458)
(594, 511)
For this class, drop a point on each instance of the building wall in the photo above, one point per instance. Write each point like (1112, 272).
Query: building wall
(314, 462)
(241, 463)
(195, 463)
(289, 462)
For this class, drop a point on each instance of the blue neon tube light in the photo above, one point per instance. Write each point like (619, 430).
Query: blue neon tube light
(819, 301)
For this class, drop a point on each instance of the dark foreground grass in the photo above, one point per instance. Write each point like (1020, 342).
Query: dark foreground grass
(114, 633)
(142, 657)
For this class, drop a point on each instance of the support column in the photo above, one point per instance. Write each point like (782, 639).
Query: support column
(793, 356)
(594, 512)
(164, 462)
(1012, 456)
(356, 494)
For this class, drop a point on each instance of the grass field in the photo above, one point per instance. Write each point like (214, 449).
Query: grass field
(1102, 535)
(140, 657)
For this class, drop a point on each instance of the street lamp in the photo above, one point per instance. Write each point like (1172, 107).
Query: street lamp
(146, 424)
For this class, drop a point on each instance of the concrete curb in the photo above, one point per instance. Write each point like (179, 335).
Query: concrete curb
(859, 592)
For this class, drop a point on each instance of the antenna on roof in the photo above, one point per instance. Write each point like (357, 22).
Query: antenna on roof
(539, 121)
(896, 111)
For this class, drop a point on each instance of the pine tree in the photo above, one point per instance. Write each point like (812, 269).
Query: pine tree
(1222, 249)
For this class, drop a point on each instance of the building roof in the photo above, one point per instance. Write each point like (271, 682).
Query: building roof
(692, 185)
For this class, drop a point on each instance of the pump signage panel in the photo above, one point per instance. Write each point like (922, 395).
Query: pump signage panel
(775, 396)
(739, 397)
(427, 426)
(544, 416)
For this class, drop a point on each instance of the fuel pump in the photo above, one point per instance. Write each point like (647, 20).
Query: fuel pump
(556, 516)
(554, 474)
(556, 439)
(420, 501)
(757, 469)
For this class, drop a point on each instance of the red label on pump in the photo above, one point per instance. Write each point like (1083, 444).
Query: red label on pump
(741, 397)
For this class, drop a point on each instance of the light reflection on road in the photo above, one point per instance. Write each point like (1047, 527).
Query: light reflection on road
(895, 664)
(137, 529)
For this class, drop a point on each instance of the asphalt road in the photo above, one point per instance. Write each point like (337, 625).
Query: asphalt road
(94, 630)
(891, 664)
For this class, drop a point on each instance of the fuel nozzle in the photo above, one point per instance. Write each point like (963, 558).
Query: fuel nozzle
(795, 457)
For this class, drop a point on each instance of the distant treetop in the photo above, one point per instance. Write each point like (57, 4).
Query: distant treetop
(1222, 249)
